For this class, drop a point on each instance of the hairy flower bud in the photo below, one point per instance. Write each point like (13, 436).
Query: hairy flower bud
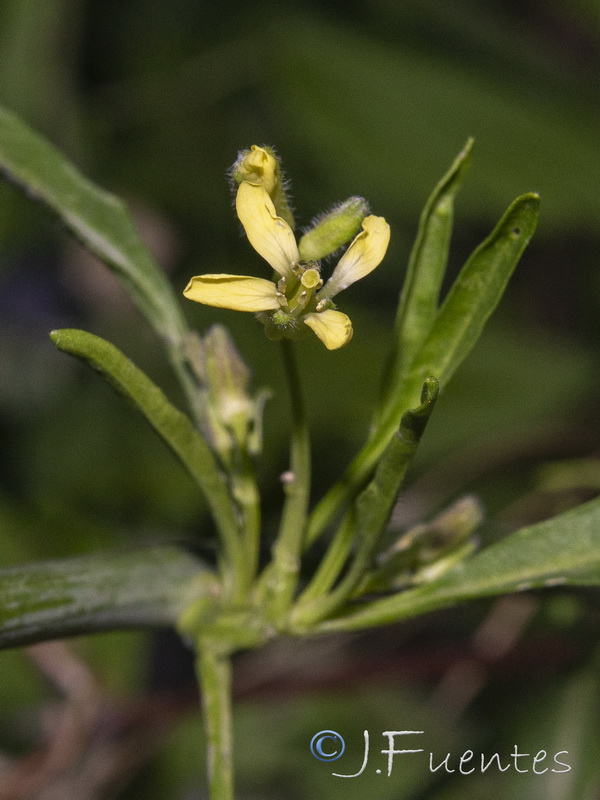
(333, 229)
(257, 165)
(231, 414)
(261, 166)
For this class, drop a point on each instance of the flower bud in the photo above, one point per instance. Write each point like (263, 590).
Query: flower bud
(257, 165)
(333, 230)
(230, 412)
(261, 167)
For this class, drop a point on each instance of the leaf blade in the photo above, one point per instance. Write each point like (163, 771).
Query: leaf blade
(477, 291)
(175, 428)
(149, 587)
(426, 267)
(97, 218)
(533, 557)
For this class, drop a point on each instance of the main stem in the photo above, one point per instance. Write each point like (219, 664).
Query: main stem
(214, 679)
(288, 547)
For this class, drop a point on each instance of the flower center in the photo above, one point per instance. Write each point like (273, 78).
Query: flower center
(301, 294)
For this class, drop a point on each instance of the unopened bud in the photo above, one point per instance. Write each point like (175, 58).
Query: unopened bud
(230, 413)
(257, 165)
(262, 167)
(333, 230)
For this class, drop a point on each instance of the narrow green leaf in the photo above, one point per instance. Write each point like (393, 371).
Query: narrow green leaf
(98, 219)
(563, 551)
(376, 501)
(458, 324)
(171, 424)
(426, 267)
(476, 293)
(131, 589)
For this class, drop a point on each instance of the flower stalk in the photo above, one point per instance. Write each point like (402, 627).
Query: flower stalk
(287, 551)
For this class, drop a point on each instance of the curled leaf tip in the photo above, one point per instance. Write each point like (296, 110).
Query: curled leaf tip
(430, 391)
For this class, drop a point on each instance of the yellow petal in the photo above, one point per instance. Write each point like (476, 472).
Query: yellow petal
(364, 254)
(238, 292)
(268, 234)
(333, 328)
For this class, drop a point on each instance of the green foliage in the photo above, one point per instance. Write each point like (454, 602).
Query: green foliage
(239, 606)
(174, 427)
(98, 219)
(427, 264)
(147, 587)
(563, 551)
(453, 332)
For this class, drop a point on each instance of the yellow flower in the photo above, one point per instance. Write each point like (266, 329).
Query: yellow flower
(297, 300)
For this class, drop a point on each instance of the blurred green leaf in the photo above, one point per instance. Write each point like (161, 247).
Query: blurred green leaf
(39, 77)
(567, 713)
(384, 115)
(130, 589)
(564, 550)
(98, 219)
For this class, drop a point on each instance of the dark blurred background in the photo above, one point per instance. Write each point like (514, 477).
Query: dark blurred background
(152, 99)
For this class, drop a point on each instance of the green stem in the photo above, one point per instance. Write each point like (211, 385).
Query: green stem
(283, 574)
(247, 496)
(371, 512)
(332, 564)
(345, 491)
(214, 679)
(189, 385)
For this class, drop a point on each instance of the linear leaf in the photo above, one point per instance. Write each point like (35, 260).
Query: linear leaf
(171, 424)
(419, 298)
(98, 219)
(100, 592)
(476, 292)
(375, 503)
(563, 551)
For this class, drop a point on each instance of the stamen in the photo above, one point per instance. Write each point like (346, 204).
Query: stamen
(282, 300)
